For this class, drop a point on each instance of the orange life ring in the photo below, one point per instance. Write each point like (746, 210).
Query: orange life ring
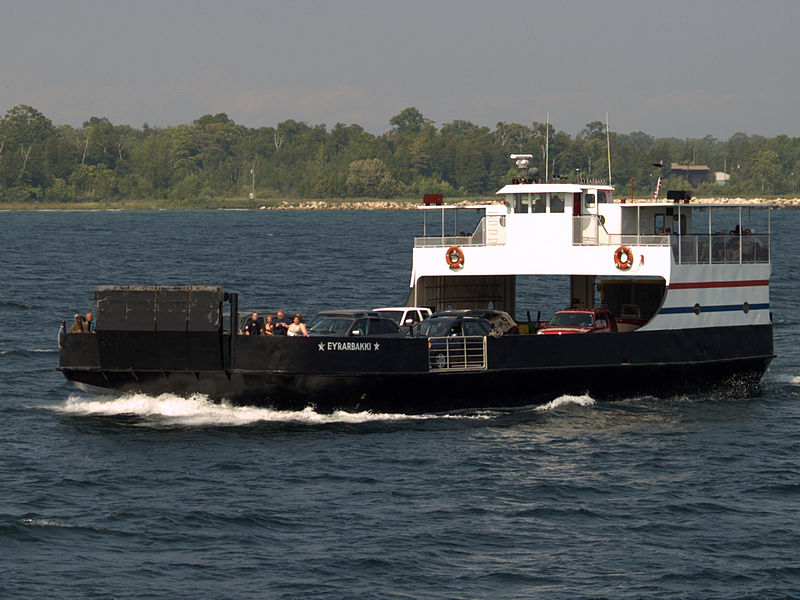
(623, 265)
(454, 257)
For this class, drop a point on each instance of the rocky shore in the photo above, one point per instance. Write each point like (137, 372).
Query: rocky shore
(774, 202)
(411, 204)
(361, 204)
(335, 204)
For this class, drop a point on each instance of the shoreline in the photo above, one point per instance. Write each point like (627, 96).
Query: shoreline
(336, 204)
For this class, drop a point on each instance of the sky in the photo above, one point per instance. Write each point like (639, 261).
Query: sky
(682, 68)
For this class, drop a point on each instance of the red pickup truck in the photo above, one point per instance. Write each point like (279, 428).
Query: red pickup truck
(579, 320)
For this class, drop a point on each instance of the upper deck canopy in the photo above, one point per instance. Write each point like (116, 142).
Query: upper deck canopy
(552, 188)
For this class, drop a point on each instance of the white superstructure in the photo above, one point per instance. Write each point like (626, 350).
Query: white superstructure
(659, 265)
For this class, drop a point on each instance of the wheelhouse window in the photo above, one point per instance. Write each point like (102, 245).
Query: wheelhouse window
(536, 203)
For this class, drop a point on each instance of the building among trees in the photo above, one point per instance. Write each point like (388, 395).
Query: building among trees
(694, 174)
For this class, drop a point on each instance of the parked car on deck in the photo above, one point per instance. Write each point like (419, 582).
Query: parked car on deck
(500, 321)
(446, 324)
(352, 323)
(579, 320)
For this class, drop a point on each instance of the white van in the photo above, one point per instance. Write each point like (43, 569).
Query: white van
(404, 316)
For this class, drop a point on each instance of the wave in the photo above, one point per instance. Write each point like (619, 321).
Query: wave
(43, 523)
(198, 410)
(12, 305)
(25, 351)
(566, 400)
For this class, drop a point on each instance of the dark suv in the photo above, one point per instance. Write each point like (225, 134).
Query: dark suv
(447, 324)
(352, 322)
(499, 320)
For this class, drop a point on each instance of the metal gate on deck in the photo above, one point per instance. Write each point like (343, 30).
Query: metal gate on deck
(457, 353)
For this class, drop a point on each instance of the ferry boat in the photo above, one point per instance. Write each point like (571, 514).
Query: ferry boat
(686, 283)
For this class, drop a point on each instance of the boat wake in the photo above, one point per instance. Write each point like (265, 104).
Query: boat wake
(784, 384)
(567, 400)
(198, 411)
(782, 379)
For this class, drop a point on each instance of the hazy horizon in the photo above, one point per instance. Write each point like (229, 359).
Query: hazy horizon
(681, 69)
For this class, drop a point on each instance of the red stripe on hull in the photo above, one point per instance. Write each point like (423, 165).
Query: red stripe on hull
(718, 284)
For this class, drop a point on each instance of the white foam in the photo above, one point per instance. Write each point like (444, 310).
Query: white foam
(566, 400)
(198, 410)
(43, 523)
(782, 378)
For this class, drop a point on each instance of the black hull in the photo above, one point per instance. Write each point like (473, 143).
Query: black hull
(392, 375)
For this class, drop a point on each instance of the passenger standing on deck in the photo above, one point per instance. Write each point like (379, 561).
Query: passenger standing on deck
(89, 324)
(77, 324)
(253, 325)
(282, 323)
(297, 328)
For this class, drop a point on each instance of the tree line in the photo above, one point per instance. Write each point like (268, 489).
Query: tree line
(214, 157)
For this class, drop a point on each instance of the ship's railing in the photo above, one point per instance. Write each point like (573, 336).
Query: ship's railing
(688, 249)
(720, 248)
(589, 230)
(490, 231)
(624, 239)
(457, 353)
(445, 241)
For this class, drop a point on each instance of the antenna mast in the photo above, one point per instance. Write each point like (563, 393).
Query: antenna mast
(608, 150)
(547, 148)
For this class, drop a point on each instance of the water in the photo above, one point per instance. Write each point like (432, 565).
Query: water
(166, 497)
